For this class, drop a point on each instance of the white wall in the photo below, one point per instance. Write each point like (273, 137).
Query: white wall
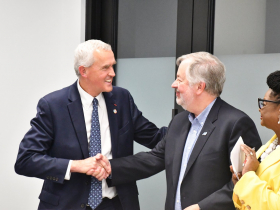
(37, 40)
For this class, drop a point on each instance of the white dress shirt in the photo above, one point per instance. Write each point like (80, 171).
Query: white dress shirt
(104, 132)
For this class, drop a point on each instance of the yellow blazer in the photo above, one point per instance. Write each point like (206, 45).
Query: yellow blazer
(260, 190)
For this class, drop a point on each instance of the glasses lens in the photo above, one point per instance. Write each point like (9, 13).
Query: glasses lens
(261, 104)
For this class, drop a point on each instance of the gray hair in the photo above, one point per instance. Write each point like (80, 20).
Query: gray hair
(205, 67)
(84, 53)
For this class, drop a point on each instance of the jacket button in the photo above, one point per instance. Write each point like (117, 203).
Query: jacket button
(242, 202)
(248, 207)
(82, 205)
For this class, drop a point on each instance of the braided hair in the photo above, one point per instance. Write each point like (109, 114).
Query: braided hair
(273, 82)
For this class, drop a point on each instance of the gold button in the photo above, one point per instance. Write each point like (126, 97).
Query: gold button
(242, 201)
(248, 207)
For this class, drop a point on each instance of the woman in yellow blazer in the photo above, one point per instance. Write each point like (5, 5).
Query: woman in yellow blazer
(259, 186)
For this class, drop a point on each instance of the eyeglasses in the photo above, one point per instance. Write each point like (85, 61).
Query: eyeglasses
(261, 102)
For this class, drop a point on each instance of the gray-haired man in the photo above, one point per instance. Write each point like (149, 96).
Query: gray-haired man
(195, 151)
(73, 124)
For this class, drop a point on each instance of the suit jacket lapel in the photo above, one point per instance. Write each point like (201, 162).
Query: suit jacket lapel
(208, 129)
(272, 158)
(113, 123)
(179, 149)
(77, 116)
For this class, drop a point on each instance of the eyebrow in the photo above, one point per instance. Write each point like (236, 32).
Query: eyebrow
(107, 65)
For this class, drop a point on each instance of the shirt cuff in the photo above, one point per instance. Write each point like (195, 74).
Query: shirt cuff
(68, 173)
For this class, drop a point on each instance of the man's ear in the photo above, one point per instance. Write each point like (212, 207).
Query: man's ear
(83, 71)
(201, 87)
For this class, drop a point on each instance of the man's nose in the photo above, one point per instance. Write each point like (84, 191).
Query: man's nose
(174, 84)
(112, 72)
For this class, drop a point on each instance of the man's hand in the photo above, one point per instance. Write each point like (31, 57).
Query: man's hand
(193, 207)
(103, 170)
(234, 178)
(97, 166)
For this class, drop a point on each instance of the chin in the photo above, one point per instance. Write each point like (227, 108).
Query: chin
(109, 89)
(179, 101)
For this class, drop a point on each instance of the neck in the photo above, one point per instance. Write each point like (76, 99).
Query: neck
(88, 88)
(277, 132)
(202, 103)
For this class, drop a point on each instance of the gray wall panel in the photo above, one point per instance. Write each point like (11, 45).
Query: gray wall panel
(147, 28)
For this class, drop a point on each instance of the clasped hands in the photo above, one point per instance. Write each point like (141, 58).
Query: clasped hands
(251, 163)
(97, 166)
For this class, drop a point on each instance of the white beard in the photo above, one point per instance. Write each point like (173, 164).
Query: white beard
(183, 103)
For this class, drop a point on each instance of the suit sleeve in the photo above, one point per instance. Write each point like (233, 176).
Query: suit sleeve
(139, 166)
(258, 194)
(145, 132)
(34, 158)
(222, 198)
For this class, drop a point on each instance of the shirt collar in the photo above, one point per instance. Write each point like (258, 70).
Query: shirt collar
(201, 118)
(87, 98)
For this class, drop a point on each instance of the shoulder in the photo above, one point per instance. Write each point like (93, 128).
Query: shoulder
(119, 90)
(120, 93)
(230, 111)
(231, 117)
(58, 96)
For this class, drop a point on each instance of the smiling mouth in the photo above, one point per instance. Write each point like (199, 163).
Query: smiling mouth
(108, 81)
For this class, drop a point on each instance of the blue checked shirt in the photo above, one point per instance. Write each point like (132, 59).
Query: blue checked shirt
(197, 124)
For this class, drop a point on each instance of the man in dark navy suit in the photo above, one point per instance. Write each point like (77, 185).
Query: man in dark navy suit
(56, 148)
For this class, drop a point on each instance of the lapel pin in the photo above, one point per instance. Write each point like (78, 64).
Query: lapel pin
(204, 134)
(115, 111)
(115, 104)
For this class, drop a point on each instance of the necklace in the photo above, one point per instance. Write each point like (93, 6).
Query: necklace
(270, 148)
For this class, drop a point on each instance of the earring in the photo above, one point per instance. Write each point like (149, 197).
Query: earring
(279, 118)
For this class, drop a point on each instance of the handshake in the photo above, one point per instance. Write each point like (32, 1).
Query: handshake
(97, 166)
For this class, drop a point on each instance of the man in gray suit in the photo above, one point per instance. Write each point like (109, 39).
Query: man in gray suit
(196, 149)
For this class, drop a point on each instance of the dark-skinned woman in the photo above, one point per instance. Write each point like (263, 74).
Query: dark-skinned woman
(259, 186)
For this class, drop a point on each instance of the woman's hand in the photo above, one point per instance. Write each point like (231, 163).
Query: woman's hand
(234, 178)
(251, 161)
